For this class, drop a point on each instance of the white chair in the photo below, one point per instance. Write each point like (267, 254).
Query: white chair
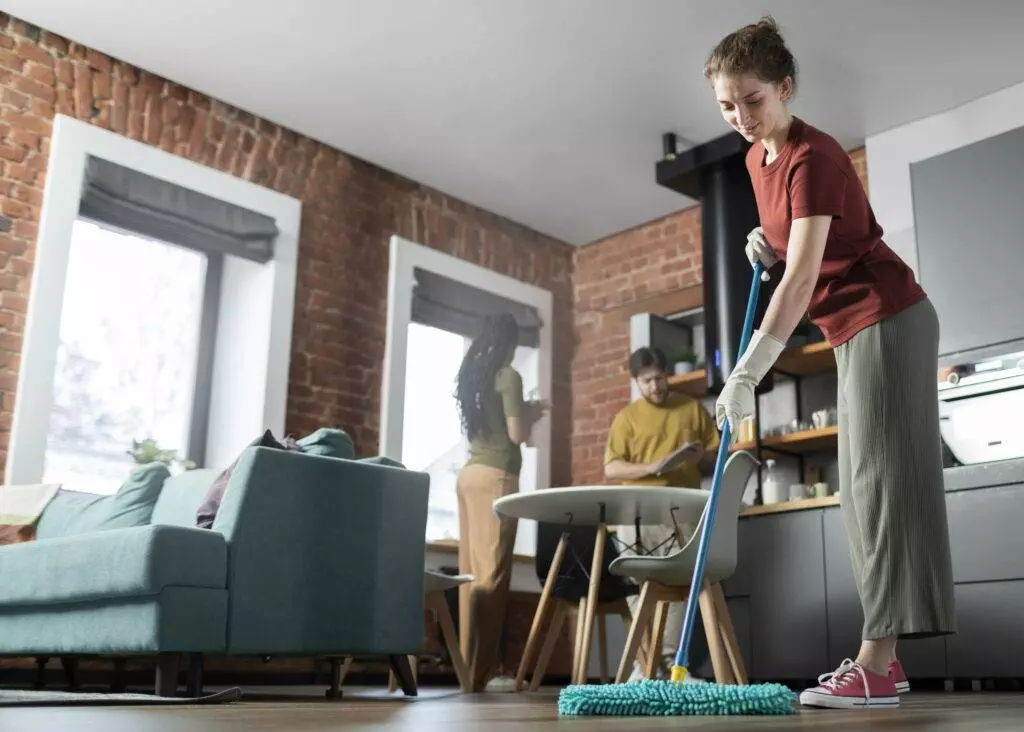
(666, 579)
(435, 584)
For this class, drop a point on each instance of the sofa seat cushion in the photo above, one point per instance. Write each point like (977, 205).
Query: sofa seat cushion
(133, 562)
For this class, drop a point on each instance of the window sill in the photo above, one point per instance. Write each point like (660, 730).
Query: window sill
(451, 546)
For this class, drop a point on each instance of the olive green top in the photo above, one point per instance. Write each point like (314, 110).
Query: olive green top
(493, 447)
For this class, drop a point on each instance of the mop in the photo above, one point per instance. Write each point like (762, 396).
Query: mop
(674, 697)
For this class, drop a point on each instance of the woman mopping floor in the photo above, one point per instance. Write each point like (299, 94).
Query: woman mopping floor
(816, 218)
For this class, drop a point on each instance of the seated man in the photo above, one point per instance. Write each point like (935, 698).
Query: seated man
(641, 437)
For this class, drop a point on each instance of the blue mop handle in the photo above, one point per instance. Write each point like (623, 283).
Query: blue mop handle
(682, 655)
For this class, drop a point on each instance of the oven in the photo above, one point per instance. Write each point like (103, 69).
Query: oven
(981, 410)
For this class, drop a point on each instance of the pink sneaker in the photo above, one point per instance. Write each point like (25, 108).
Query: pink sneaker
(898, 677)
(850, 686)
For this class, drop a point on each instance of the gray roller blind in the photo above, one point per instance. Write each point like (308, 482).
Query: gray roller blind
(456, 307)
(154, 208)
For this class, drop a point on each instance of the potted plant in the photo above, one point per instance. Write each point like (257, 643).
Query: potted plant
(684, 361)
(146, 451)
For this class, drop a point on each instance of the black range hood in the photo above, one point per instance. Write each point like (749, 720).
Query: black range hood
(715, 174)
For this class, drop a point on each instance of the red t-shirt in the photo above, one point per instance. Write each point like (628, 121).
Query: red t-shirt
(862, 281)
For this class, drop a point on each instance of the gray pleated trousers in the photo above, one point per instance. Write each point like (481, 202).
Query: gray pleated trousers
(890, 476)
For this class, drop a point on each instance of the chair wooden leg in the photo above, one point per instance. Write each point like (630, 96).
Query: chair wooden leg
(596, 567)
(550, 641)
(602, 645)
(732, 645)
(543, 606)
(654, 655)
(167, 674)
(719, 658)
(436, 601)
(578, 643)
(644, 611)
(403, 672)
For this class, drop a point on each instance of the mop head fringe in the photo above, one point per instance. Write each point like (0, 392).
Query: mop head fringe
(671, 699)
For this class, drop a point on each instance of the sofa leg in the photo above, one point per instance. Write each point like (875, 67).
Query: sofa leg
(194, 679)
(403, 672)
(339, 669)
(167, 674)
(40, 680)
(118, 684)
(70, 671)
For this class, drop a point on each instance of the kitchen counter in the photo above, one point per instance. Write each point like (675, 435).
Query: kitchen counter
(965, 477)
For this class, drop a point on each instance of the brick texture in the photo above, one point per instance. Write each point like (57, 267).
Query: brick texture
(350, 210)
(611, 279)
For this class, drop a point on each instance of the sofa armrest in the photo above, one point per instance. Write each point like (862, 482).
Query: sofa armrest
(325, 555)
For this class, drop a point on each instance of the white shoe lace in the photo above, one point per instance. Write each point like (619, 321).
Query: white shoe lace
(843, 676)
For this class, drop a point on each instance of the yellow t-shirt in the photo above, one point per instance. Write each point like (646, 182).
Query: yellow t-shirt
(645, 433)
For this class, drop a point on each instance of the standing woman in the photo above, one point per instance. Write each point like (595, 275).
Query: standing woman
(496, 421)
(816, 218)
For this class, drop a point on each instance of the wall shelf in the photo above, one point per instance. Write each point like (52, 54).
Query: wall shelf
(814, 358)
(694, 384)
(797, 443)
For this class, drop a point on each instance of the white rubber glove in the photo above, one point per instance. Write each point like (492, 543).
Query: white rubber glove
(736, 402)
(758, 250)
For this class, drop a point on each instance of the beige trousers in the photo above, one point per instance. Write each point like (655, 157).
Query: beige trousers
(485, 551)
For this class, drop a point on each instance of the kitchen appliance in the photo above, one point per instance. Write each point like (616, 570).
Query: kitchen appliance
(981, 404)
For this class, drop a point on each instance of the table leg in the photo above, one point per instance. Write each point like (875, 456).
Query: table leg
(592, 598)
(542, 608)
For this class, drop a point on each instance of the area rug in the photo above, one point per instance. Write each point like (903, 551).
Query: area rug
(20, 698)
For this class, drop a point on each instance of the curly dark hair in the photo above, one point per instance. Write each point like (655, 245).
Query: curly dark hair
(490, 351)
(756, 49)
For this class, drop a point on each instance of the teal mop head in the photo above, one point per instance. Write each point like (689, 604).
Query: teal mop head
(672, 699)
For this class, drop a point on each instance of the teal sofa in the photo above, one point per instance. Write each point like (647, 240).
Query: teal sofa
(308, 556)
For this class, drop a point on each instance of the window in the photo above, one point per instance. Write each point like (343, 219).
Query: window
(127, 355)
(235, 233)
(434, 440)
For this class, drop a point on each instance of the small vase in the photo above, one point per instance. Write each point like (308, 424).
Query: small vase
(683, 367)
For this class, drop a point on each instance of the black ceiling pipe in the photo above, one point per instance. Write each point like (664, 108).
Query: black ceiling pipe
(715, 174)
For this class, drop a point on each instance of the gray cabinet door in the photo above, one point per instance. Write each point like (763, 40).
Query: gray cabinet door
(787, 582)
(988, 642)
(739, 612)
(738, 585)
(921, 658)
(986, 538)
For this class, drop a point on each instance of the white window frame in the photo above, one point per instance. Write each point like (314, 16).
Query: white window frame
(405, 258)
(253, 341)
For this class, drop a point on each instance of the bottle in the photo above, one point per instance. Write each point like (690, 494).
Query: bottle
(771, 486)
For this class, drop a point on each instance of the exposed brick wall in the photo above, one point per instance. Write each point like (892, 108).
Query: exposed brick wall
(609, 276)
(350, 210)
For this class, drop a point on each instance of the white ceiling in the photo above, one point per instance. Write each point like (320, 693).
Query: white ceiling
(549, 112)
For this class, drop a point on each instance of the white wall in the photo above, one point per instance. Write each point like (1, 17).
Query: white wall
(890, 154)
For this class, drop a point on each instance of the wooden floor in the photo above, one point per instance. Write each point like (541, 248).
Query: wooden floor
(306, 710)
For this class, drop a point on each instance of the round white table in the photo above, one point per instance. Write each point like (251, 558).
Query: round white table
(596, 506)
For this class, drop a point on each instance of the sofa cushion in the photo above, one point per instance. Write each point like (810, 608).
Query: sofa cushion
(72, 513)
(181, 496)
(132, 562)
(328, 442)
